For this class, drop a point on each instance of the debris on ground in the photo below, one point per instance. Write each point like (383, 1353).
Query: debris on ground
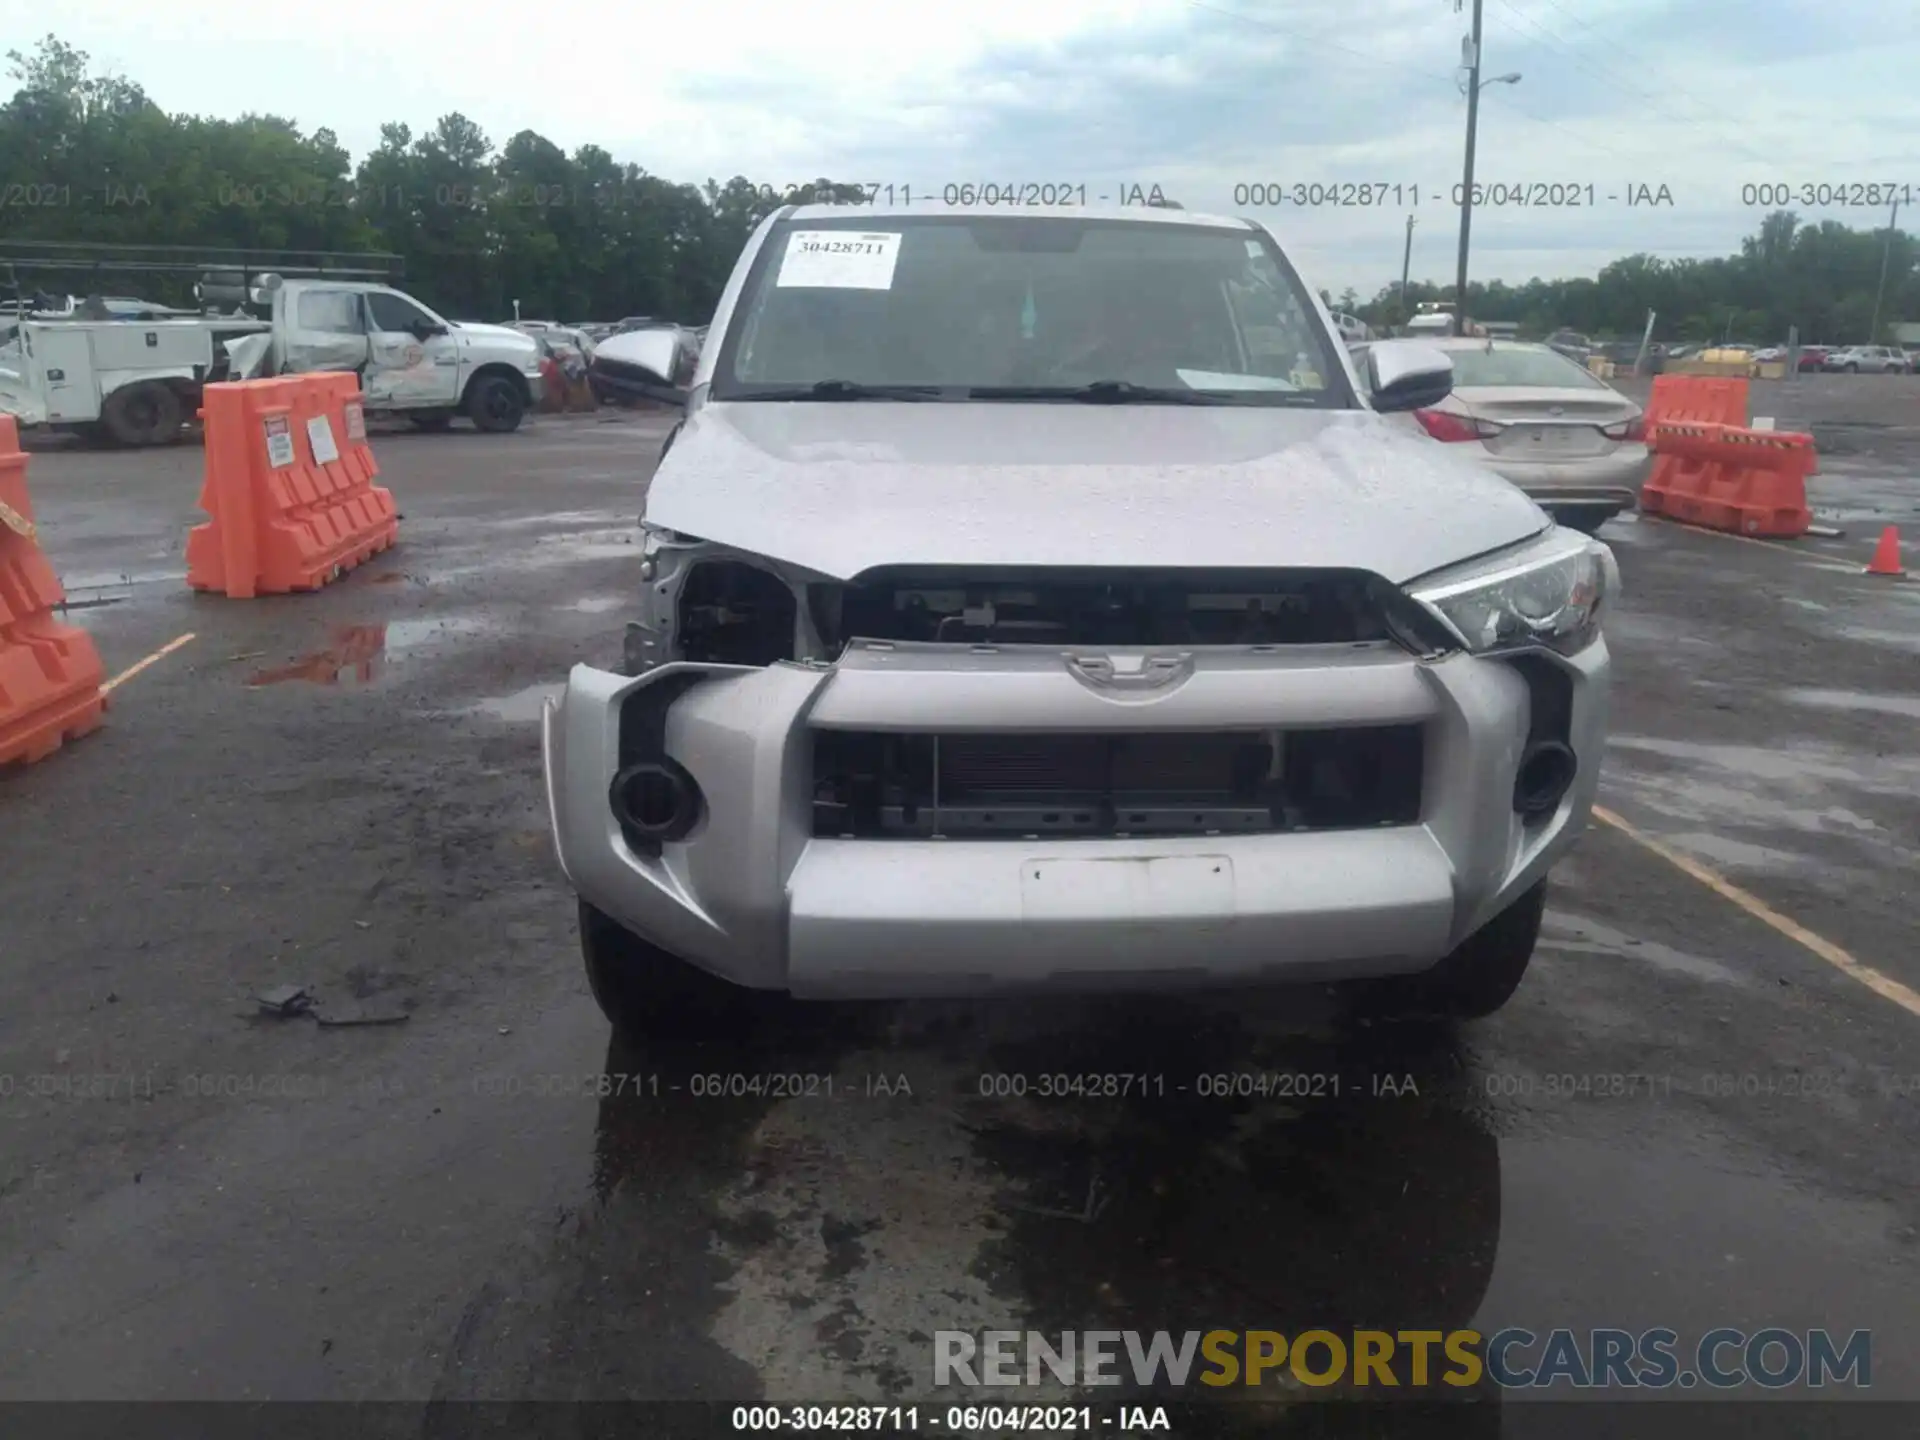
(285, 1000)
(359, 1015)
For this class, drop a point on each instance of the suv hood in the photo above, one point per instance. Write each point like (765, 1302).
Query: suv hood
(839, 488)
(494, 333)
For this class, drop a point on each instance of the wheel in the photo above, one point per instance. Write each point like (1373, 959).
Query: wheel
(1480, 974)
(494, 404)
(144, 414)
(430, 419)
(646, 992)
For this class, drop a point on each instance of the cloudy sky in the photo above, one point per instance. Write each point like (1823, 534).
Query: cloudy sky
(1201, 97)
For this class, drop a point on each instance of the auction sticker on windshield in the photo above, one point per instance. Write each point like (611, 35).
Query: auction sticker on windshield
(840, 260)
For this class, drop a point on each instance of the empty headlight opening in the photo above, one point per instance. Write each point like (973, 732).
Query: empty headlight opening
(733, 613)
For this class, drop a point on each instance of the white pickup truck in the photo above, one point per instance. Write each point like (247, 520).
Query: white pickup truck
(410, 360)
(134, 382)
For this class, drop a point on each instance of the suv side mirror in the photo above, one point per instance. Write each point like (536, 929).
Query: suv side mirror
(426, 329)
(1406, 375)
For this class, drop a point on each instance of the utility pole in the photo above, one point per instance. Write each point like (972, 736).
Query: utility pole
(1406, 268)
(1466, 189)
(1879, 294)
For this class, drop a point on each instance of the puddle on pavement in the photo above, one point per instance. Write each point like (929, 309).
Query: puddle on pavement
(1737, 854)
(404, 635)
(1682, 1223)
(1797, 789)
(78, 585)
(522, 707)
(1895, 639)
(1908, 705)
(1807, 765)
(548, 552)
(358, 653)
(599, 604)
(1582, 935)
(560, 519)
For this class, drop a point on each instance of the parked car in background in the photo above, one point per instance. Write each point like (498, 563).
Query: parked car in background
(1771, 354)
(1572, 344)
(628, 366)
(1869, 360)
(1353, 330)
(1544, 422)
(1812, 357)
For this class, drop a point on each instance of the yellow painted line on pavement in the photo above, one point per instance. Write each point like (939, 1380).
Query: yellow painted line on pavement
(1885, 986)
(133, 670)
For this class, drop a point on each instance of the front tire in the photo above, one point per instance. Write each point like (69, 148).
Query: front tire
(495, 404)
(647, 993)
(1480, 974)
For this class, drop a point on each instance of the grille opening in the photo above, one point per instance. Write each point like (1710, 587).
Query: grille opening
(871, 785)
(1123, 607)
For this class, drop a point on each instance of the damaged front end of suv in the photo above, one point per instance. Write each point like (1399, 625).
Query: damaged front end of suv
(950, 690)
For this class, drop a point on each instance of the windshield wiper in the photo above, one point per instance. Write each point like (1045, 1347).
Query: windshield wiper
(839, 390)
(1100, 392)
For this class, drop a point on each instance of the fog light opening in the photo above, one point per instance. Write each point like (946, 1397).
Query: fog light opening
(656, 799)
(1546, 774)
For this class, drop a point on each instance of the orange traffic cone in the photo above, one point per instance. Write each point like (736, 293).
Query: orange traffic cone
(1886, 555)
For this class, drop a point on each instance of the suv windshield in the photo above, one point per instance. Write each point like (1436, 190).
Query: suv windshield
(972, 306)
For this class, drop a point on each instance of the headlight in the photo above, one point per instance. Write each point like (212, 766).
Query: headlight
(1550, 592)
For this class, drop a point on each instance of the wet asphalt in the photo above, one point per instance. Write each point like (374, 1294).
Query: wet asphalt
(1686, 1118)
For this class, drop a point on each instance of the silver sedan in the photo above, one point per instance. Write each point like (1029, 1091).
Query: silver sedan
(1575, 444)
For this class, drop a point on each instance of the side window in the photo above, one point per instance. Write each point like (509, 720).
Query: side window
(333, 312)
(392, 312)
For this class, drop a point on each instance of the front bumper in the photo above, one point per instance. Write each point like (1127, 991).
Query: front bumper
(753, 895)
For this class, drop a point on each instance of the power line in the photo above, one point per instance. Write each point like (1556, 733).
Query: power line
(1610, 78)
(1451, 81)
(1261, 23)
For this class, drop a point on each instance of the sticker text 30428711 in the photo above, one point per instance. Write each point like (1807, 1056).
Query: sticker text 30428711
(839, 260)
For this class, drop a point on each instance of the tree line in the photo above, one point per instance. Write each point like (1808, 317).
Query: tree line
(1822, 278)
(89, 158)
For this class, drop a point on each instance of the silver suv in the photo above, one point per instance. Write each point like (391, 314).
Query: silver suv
(1043, 602)
(1870, 360)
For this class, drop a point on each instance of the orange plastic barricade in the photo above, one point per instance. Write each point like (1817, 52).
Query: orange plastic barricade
(1697, 400)
(289, 487)
(50, 674)
(1725, 477)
